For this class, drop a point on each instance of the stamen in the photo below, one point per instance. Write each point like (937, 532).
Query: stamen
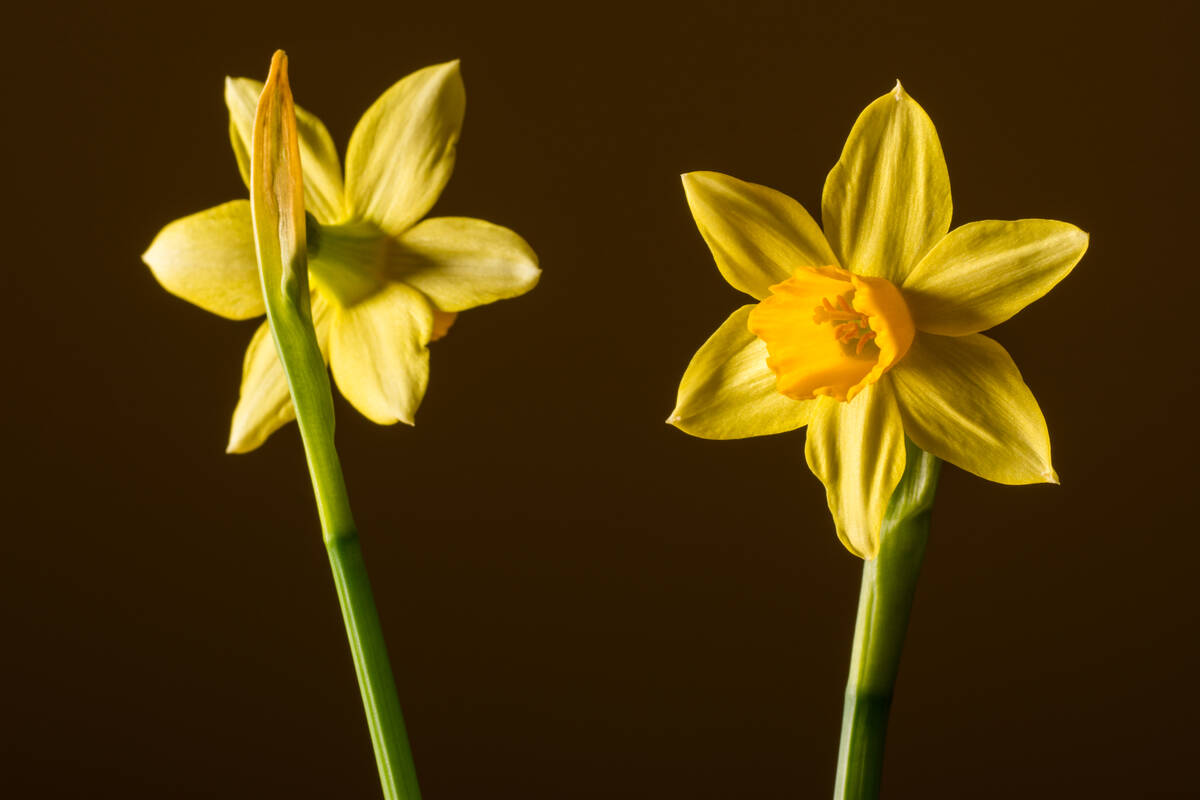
(862, 342)
(846, 331)
(843, 312)
(849, 326)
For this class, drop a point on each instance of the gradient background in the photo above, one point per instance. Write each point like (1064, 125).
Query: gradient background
(581, 601)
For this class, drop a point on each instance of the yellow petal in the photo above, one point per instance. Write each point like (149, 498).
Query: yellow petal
(984, 272)
(379, 356)
(265, 404)
(402, 151)
(757, 236)
(460, 263)
(857, 450)
(728, 392)
(887, 200)
(208, 259)
(963, 400)
(318, 157)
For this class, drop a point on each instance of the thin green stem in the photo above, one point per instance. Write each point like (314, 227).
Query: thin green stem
(389, 738)
(393, 756)
(277, 211)
(888, 585)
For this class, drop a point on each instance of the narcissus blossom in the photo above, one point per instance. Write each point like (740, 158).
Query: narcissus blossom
(384, 281)
(869, 330)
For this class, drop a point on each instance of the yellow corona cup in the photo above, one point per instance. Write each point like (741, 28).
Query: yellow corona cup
(869, 330)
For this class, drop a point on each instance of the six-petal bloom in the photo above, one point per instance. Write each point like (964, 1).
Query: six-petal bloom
(870, 330)
(384, 281)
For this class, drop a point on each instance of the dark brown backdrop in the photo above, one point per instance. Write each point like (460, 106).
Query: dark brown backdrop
(581, 601)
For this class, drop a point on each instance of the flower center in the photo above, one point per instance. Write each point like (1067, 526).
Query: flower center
(850, 327)
(830, 333)
(347, 261)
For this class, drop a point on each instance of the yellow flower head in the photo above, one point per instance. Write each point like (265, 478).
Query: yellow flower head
(869, 330)
(384, 281)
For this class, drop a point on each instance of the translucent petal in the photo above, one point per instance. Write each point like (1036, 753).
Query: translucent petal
(443, 321)
(264, 403)
(728, 392)
(887, 200)
(757, 236)
(963, 399)
(857, 450)
(460, 263)
(379, 356)
(402, 151)
(984, 272)
(323, 194)
(208, 259)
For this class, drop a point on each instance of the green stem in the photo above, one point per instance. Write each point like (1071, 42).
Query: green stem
(277, 213)
(393, 757)
(884, 602)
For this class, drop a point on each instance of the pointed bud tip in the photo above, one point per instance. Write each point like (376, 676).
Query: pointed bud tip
(278, 74)
(898, 91)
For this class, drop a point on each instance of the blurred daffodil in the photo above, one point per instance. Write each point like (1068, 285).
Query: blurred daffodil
(870, 330)
(384, 281)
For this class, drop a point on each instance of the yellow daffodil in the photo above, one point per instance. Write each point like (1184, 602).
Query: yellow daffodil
(384, 281)
(870, 330)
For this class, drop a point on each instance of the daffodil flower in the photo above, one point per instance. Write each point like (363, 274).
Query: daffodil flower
(869, 331)
(384, 281)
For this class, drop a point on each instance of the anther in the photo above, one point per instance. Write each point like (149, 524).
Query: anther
(862, 341)
(849, 326)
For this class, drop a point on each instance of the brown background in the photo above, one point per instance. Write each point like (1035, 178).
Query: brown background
(581, 601)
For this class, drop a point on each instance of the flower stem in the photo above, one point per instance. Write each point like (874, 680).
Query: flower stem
(277, 211)
(393, 756)
(888, 585)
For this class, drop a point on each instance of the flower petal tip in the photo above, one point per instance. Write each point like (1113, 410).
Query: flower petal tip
(239, 445)
(674, 419)
(452, 67)
(696, 176)
(898, 91)
(1051, 477)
